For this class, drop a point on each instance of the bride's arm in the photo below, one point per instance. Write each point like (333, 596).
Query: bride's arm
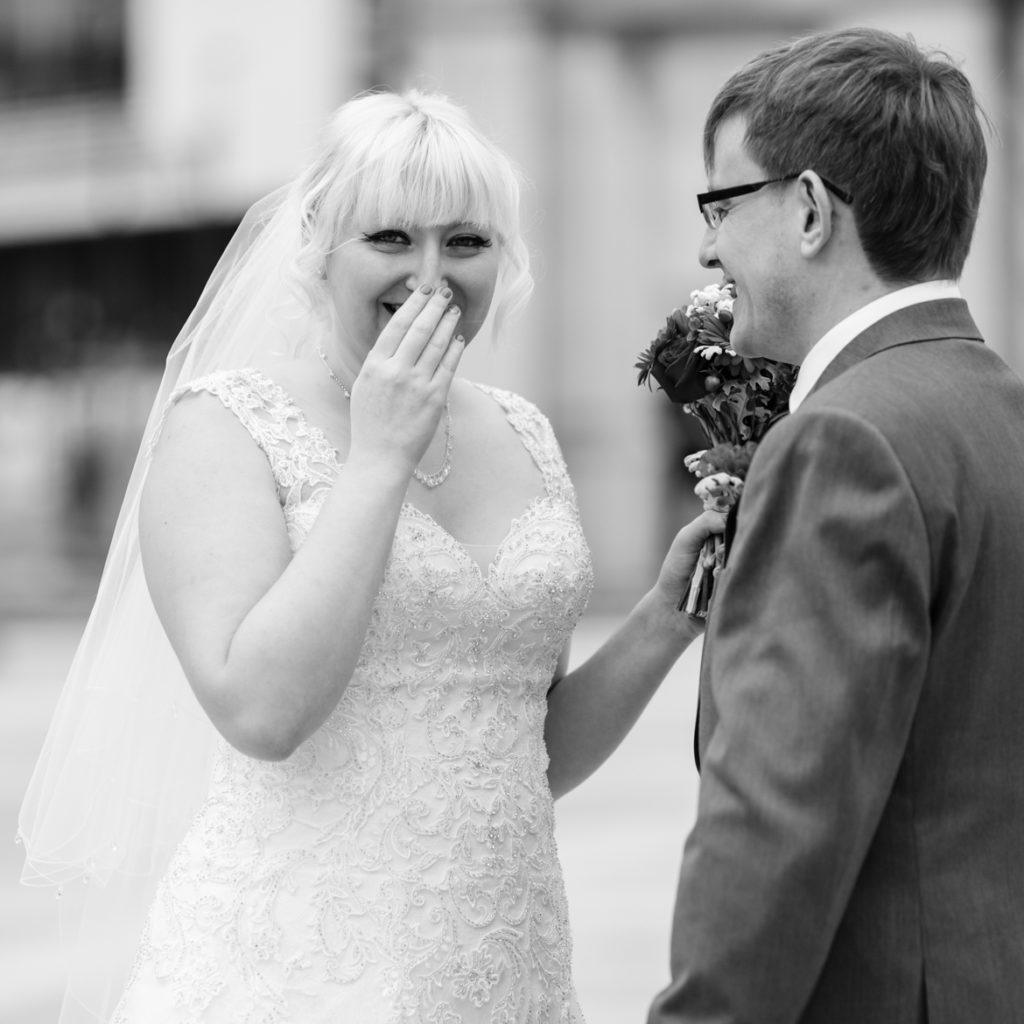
(268, 640)
(592, 708)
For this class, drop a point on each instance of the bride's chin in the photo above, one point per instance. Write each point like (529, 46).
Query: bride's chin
(469, 330)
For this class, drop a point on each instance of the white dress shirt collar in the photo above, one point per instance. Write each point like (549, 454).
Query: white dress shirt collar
(837, 338)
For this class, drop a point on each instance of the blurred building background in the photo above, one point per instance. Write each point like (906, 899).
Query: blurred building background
(134, 134)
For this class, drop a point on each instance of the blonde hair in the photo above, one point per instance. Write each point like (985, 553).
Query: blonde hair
(413, 158)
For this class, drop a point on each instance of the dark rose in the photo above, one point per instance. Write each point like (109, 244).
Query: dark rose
(672, 361)
(680, 372)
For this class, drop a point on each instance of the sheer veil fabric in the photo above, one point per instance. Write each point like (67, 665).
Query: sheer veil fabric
(125, 763)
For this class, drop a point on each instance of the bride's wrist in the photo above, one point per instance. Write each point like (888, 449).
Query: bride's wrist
(389, 468)
(667, 619)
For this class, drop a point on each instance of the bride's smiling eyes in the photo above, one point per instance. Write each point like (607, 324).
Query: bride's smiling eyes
(391, 239)
(470, 242)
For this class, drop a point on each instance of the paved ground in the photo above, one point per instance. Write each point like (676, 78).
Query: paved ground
(620, 836)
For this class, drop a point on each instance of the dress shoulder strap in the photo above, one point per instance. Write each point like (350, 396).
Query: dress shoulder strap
(299, 454)
(538, 437)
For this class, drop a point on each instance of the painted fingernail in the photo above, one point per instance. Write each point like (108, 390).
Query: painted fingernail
(446, 293)
(426, 289)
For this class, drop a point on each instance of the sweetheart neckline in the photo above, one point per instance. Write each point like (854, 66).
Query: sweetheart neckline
(514, 525)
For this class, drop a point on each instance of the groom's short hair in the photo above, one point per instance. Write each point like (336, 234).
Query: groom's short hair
(897, 127)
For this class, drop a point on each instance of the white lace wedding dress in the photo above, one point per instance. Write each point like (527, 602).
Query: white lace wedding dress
(401, 865)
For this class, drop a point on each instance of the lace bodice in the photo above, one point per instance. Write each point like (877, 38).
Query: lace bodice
(401, 865)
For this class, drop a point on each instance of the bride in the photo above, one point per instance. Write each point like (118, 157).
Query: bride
(310, 742)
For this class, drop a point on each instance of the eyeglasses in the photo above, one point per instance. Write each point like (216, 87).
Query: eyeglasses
(714, 215)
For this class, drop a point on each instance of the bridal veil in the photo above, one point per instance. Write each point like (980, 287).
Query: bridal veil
(126, 760)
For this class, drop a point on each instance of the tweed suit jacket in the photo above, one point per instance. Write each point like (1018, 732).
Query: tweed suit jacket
(858, 853)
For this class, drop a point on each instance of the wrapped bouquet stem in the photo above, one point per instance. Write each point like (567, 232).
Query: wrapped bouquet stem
(733, 398)
(718, 493)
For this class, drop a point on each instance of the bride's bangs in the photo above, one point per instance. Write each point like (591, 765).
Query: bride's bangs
(438, 178)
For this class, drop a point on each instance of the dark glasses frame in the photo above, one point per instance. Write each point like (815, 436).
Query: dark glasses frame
(705, 199)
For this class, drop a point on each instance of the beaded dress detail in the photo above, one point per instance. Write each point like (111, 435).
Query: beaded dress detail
(401, 865)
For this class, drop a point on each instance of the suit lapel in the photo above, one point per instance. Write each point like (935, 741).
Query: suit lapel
(730, 534)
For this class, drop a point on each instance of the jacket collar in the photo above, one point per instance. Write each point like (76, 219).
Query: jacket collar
(925, 321)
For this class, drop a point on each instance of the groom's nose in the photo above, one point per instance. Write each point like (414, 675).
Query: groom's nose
(706, 252)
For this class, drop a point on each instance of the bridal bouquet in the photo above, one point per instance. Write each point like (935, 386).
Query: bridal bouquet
(732, 397)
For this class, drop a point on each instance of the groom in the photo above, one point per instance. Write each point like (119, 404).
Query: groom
(858, 853)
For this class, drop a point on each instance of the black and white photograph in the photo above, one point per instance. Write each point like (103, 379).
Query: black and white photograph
(511, 512)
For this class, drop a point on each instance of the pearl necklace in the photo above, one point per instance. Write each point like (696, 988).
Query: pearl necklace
(430, 480)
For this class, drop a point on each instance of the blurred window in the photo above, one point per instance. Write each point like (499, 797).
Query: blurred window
(61, 48)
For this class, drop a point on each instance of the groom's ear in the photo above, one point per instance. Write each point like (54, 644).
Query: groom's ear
(815, 214)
